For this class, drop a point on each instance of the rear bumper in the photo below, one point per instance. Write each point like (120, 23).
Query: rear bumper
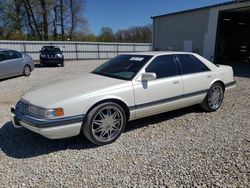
(230, 85)
(32, 66)
(52, 128)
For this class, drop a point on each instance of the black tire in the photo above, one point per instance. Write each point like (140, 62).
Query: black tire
(62, 65)
(88, 124)
(207, 104)
(26, 70)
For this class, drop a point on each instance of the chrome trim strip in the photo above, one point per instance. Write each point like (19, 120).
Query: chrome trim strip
(45, 123)
(171, 99)
(167, 100)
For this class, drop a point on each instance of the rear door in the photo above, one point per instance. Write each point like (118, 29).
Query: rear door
(196, 77)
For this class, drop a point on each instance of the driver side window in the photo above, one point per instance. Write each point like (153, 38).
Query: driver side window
(3, 55)
(163, 66)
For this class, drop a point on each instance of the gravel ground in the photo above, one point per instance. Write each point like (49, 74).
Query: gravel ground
(186, 147)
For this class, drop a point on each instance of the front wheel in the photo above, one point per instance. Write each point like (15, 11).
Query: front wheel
(214, 98)
(26, 70)
(104, 123)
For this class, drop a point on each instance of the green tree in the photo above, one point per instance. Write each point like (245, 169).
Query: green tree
(139, 34)
(42, 19)
(11, 18)
(106, 35)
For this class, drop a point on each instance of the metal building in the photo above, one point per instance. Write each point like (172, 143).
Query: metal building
(219, 32)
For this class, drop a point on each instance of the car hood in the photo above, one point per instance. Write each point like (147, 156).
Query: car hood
(49, 95)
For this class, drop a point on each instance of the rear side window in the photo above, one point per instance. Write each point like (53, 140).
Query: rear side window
(13, 54)
(190, 64)
(163, 66)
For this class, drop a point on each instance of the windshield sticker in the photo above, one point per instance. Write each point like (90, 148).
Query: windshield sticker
(136, 58)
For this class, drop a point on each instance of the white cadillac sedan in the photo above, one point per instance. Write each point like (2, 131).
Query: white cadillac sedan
(125, 88)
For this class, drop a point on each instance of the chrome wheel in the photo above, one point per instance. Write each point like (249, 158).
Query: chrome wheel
(107, 124)
(215, 97)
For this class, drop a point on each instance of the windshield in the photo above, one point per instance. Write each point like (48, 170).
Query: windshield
(123, 67)
(53, 49)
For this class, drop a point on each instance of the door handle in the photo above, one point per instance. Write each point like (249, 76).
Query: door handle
(209, 76)
(176, 82)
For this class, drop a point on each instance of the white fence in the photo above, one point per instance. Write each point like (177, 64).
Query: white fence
(77, 50)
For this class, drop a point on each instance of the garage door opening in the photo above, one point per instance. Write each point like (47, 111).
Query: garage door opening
(233, 38)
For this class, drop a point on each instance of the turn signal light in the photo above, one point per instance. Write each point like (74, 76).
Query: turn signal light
(59, 112)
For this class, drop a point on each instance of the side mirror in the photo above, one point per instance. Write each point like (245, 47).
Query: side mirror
(148, 76)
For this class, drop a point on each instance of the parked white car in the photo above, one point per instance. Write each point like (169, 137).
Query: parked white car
(125, 88)
(14, 63)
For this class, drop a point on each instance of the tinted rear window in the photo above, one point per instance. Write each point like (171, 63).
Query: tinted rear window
(190, 64)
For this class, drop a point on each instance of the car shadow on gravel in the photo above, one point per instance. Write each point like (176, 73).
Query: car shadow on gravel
(22, 143)
(162, 117)
(5, 79)
(46, 66)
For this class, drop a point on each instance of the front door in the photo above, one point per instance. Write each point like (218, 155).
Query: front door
(161, 94)
(4, 65)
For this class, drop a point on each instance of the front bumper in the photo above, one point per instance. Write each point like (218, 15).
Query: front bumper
(51, 61)
(49, 128)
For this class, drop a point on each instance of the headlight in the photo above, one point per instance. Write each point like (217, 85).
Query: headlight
(59, 55)
(45, 113)
(52, 113)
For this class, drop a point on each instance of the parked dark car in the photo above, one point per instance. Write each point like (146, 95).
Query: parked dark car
(51, 55)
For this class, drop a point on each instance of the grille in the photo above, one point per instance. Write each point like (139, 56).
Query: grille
(22, 107)
(51, 56)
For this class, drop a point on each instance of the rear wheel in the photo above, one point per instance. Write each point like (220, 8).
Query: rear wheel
(214, 98)
(104, 123)
(26, 70)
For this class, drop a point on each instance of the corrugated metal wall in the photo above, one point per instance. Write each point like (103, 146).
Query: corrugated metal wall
(170, 31)
(77, 50)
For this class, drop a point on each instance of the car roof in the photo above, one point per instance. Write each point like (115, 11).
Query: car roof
(50, 46)
(156, 53)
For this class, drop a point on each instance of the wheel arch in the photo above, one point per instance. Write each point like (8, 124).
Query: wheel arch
(26, 64)
(114, 100)
(220, 82)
